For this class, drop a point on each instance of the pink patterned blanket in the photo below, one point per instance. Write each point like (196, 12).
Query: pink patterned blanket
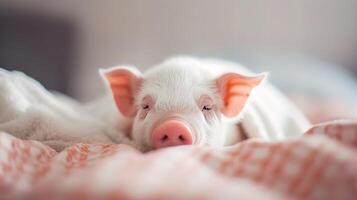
(322, 164)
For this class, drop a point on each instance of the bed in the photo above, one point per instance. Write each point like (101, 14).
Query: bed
(319, 165)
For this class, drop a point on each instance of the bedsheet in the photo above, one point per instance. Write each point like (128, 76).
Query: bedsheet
(322, 164)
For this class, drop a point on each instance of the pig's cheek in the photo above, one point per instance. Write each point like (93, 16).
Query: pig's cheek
(218, 134)
(142, 120)
(214, 134)
(199, 129)
(140, 132)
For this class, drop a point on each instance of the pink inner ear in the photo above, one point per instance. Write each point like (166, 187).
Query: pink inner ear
(235, 90)
(124, 85)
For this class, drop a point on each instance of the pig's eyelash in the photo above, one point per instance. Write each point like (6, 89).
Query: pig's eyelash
(145, 106)
(207, 108)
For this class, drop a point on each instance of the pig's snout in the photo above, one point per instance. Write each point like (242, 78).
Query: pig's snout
(171, 133)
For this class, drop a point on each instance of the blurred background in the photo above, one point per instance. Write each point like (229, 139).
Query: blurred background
(308, 46)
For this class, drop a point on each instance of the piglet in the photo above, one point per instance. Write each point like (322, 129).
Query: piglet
(191, 101)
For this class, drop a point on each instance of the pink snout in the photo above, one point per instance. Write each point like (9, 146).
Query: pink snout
(171, 133)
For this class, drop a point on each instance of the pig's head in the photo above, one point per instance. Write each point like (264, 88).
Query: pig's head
(178, 103)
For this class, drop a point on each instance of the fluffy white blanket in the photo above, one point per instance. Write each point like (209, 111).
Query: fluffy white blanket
(29, 111)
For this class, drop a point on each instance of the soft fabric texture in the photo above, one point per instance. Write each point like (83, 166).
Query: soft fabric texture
(319, 165)
(29, 111)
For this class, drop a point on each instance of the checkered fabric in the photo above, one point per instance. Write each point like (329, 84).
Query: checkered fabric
(322, 164)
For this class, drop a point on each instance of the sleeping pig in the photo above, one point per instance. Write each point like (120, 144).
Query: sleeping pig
(191, 101)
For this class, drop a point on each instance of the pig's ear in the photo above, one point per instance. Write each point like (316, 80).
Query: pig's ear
(235, 89)
(124, 83)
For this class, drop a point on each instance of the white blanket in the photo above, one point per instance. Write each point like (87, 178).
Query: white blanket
(29, 111)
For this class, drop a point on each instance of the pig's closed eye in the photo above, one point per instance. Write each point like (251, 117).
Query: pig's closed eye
(206, 103)
(145, 107)
(207, 111)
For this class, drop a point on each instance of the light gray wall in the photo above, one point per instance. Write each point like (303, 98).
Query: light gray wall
(144, 32)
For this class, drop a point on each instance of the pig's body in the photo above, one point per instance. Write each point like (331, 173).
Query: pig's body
(267, 114)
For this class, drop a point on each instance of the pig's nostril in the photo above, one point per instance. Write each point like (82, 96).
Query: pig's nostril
(181, 138)
(165, 138)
